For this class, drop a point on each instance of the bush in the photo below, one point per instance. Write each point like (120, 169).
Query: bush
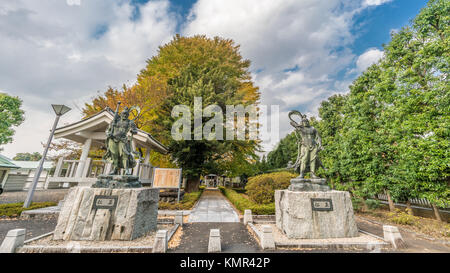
(15, 209)
(401, 217)
(239, 190)
(242, 203)
(372, 204)
(186, 203)
(262, 191)
(261, 188)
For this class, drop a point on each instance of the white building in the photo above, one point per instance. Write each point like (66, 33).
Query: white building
(21, 178)
(6, 166)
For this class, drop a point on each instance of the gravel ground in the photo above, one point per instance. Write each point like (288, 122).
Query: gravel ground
(54, 195)
(34, 227)
(142, 241)
(416, 243)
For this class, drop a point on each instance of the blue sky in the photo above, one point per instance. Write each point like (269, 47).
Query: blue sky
(302, 51)
(377, 22)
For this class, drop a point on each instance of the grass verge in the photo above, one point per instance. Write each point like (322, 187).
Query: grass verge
(242, 203)
(188, 201)
(15, 209)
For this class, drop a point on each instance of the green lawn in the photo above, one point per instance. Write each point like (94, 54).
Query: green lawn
(15, 209)
(242, 203)
(188, 201)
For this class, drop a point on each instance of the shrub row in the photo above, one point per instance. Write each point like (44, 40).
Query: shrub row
(15, 209)
(261, 188)
(242, 203)
(186, 203)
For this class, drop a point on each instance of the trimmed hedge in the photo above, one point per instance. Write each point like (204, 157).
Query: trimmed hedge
(261, 188)
(186, 203)
(15, 209)
(239, 190)
(242, 203)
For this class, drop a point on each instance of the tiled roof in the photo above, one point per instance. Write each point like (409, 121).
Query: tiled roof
(6, 163)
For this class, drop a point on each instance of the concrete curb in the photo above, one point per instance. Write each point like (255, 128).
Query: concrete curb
(364, 246)
(393, 236)
(54, 211)
(13, 240)
(248, 218)
(38, 237)
(172, 232)
(267, 241)
(214, 244)
(375, 246)
(178, 218)
(160, 244)
(71, 249)
(87, 249)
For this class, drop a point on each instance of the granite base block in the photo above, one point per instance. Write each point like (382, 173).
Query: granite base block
(99, 214)
(315, 215)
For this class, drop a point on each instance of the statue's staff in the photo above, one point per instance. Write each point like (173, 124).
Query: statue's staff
(110, 131)
(139, 153)
(116, 113)
(115, 120)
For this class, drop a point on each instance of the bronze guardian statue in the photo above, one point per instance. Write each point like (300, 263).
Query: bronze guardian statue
(309, 145)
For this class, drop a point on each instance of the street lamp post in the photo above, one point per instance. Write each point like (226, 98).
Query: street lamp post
(59, 111)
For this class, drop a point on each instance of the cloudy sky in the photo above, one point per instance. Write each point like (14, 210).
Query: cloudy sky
(68, 51)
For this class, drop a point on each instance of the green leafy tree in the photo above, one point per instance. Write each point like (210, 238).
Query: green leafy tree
(10, 115)
(285, 151)
(28, 156)
(330, 125)
(419, 57)
(214, 70)
(391, 131)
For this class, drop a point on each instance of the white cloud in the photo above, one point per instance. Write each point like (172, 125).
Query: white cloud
(66, 51)
(73, 2)
(375, 2)
(297, 48)
(371, 56)
(61, 52)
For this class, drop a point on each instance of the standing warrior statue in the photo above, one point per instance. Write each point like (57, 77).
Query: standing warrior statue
(309, 144)
(118, 145)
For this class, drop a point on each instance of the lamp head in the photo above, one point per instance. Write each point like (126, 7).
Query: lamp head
(60, 109)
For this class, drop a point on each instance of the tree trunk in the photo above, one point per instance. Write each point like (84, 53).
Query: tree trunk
(364, 205)
(192, 184)
(409, 208)
(391, 203)
(436, 212)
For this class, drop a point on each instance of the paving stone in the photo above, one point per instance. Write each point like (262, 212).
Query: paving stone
(213, 207)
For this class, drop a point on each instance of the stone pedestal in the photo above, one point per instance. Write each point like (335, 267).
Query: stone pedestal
(315, 214)
(117, 182)
(98, 214)
(309, 184)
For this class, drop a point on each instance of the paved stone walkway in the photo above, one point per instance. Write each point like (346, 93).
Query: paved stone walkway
(213, 207)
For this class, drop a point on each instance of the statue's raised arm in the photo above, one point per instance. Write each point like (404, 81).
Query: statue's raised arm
(294, 123)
